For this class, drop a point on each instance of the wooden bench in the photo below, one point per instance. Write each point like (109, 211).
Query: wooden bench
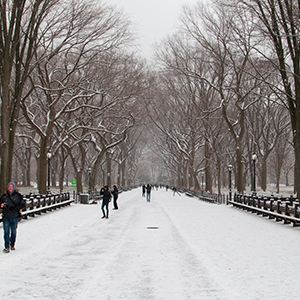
(208, 199)
(45, 209)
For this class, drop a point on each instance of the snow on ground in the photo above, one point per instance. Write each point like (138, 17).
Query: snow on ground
(199, 251)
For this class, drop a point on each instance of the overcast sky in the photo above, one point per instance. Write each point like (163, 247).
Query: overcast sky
(154, 19)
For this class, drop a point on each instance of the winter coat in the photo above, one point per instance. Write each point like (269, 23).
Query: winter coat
(148, 188)
(115, 192)
(13, 203)
(106, 195)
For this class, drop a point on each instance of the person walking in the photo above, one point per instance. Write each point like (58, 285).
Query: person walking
(143, 190)
(175, 191)
(115, 193)
(11, 203)
(106, 198)
(148, 188)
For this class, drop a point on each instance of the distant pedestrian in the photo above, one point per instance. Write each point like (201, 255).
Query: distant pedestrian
(148, 188)
(106, 199)
(115, 193)
(143, 190)
(175, 191)
(11, 203)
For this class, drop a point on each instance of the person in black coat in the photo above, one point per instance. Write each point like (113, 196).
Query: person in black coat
(11, 203)
(143, 190)
(115, 193)
(148, 188)
(106, 199)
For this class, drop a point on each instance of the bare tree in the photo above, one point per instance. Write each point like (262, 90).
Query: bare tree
(61, 80)
(21, 27)
(278, 22)
(227, 36)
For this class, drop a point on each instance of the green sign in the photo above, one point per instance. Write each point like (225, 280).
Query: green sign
(74, 181)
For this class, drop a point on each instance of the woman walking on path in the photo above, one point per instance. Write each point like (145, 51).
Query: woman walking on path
(143, 190)
(11, 203)
(106, 198)
(148, 188)
(115, 193)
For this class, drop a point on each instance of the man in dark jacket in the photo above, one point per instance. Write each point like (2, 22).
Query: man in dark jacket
(11, 203)
(115, 193)
(106, 198)
(148, 188)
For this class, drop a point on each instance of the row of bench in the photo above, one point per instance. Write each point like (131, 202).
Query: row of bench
(204, 196)
(36, 205)
(285, 210)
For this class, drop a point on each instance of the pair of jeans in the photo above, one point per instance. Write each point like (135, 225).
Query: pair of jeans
(148, 197)
(10, 231)
(104, 204)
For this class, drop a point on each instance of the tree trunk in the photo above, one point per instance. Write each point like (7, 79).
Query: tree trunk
(42, 171)
(219, 175)
(240, 173)
(108, 162)
(277, 181)
(208, 175)
(79, 181)
(62, 170)
(297, 161)
(123, 165)
(42, 167)
(264, 174)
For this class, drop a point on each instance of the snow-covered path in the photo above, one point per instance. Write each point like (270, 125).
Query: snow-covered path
(171, 248)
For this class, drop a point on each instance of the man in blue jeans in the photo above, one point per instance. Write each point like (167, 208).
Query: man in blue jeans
(11, 204)
(148, 189)
(106, 199)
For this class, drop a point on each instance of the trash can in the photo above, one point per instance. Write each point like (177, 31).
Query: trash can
(84, 198)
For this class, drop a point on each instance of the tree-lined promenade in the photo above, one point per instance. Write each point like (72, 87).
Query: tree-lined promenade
(225, 86)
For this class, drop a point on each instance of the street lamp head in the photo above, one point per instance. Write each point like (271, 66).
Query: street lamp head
(90, 170)
(202, 174)
(49, 155)
(254, 156)
(229, 168)
(108, 174)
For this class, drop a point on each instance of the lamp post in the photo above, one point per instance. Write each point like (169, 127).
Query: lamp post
(48, 160)
(189, 175)
(254, 158)
(202, 177)
(230, 170)
(182, 181)
(90, 171)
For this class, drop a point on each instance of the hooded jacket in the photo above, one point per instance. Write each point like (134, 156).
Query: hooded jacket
(106, 194)
(12, 203)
